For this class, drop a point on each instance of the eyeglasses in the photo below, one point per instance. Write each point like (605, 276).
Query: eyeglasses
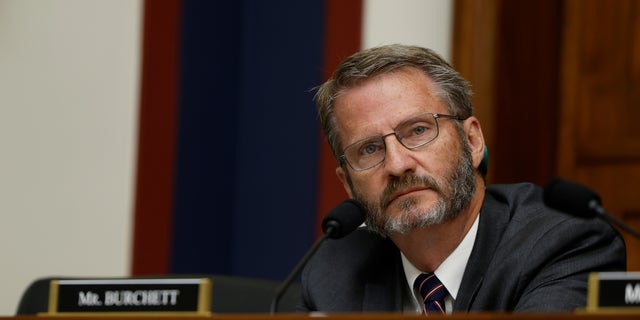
(412, 133)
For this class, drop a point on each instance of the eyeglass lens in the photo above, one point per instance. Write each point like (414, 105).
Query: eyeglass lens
(411, 133)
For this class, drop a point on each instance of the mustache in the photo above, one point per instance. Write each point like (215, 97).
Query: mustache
(404, 182)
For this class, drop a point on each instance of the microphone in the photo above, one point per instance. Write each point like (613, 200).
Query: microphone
(343, 219)
(578, 200)
(339, 222)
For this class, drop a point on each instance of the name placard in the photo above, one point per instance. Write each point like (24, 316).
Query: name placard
(614, 292)
(133, 295)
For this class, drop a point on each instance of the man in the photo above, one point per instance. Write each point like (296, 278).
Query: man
(400, 123)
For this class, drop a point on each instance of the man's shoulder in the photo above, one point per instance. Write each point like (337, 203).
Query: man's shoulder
(522, 209)
(515, 192)
(360, 246)
(358, 256)
(519, 201)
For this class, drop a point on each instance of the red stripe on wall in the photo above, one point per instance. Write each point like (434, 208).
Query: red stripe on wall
(343, 29)
(156, 138)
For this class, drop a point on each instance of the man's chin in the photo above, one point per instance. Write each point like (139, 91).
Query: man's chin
(397, 229)
(410, 208)
(414, 218)
(400, 223)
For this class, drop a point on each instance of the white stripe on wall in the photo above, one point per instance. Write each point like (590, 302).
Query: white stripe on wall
(426, 23)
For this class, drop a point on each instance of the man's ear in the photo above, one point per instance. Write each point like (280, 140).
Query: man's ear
(342, 176)
(476, 140)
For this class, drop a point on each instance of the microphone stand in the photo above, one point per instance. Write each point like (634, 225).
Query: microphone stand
(339, 222)
(595, 206)
(285, 284)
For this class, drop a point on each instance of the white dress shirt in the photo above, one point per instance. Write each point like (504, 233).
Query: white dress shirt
(449, 272)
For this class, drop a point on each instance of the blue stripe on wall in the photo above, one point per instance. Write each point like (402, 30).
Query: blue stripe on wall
(247, 136)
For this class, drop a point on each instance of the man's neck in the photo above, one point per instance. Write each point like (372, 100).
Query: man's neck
(428, 247)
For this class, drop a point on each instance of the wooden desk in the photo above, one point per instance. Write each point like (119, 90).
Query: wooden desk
(355, 316)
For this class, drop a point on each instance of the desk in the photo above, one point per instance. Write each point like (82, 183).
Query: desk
(354, 316)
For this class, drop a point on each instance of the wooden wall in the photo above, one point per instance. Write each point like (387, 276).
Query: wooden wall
(558, 92)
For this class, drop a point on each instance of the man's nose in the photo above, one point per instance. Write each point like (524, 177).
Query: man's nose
(398, 159)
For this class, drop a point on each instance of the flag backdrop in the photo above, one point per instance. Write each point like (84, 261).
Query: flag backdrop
(233, 174)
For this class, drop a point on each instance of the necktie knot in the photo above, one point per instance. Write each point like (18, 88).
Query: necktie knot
(432, 291)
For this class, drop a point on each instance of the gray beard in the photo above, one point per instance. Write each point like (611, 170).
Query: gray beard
(454, 196)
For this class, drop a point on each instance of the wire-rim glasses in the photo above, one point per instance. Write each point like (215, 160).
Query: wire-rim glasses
(412, 133)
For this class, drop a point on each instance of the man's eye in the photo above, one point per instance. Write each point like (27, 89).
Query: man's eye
(419, 130)
(369, 149)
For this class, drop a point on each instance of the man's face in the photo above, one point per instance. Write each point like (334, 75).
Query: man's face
(410, 188)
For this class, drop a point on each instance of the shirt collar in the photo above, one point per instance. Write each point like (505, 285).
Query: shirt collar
(451, 270)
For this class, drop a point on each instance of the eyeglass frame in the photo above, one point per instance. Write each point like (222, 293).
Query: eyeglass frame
(436, 116)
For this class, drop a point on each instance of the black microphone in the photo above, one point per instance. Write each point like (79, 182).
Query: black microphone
(343, 219)
(578, 200)
(339, 222)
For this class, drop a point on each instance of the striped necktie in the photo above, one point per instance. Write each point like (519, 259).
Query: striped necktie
(432, 292)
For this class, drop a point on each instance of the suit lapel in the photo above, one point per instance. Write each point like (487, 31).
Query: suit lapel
(494, 218)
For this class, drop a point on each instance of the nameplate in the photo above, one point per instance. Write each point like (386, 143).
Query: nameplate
(614, 292)
(188, 296)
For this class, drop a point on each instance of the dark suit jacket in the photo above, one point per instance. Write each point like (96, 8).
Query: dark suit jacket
(526, 257)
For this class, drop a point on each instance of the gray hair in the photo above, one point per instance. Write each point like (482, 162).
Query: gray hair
(451, 88)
